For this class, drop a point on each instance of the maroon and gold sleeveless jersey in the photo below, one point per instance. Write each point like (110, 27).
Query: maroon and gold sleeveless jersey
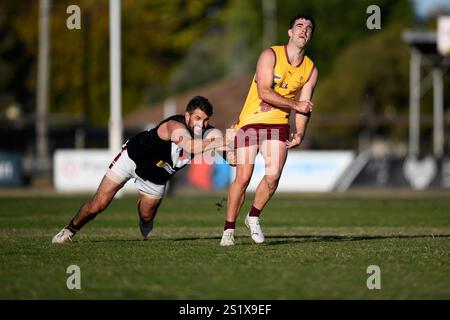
(287, 81)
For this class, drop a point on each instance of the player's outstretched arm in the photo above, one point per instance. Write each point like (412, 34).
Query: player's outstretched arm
(177, 133)
(225, 150)
(264, 82)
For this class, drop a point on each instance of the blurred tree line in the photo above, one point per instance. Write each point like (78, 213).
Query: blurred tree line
(156, 35)
(171, 46)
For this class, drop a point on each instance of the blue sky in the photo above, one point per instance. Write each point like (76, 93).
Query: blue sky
(425, 6)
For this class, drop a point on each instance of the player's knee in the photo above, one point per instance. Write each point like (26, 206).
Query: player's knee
(146, 215)
(272, 181)
(243, 180)
(147, 211)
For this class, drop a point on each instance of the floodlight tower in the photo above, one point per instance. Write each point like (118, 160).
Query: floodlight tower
(425, 54)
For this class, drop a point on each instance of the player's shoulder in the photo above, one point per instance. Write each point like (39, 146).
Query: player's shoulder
(273, 51)
(268, 57)
(313, 72)
(270, 52)
(308, 60)
(175, 120)
(277, 48)
(311, 67)
(172, 124)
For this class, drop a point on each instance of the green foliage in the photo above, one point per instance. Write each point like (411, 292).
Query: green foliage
(243, 25)
(378, 64)
(15, 62)
(168, 47)
(338, 24)
(203, 63)
(369, 78)
(156, 35)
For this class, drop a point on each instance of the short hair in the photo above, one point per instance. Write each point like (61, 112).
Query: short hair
(201, 103)
(305, 17)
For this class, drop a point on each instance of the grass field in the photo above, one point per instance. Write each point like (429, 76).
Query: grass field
(317, 247)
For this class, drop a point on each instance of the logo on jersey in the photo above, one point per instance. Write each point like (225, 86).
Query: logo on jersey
(179, 160)
(276, 79)
(165, 166)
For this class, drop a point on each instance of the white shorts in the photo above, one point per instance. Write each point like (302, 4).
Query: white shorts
(122, 169)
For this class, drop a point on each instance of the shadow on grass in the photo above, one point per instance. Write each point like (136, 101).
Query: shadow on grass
(273, 240)
(332, 238)
(289, 239)
(113, 240)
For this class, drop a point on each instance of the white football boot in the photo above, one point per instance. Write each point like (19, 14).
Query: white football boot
(255, 229)
(65, 235)
(227, 238)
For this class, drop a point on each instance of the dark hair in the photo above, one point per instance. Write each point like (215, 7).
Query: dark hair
(201, 103)
(305, 17)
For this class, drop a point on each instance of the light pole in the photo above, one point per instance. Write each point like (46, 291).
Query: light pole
(115, 120)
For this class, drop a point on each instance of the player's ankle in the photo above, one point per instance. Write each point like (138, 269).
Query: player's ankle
(229, 225)
(72, 227)
(254, 212)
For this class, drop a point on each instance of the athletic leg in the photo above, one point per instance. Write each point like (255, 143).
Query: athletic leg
(147, 208)
(274, 153)
(102, 198)
(88, 211)
(244, 170)
(236, 192)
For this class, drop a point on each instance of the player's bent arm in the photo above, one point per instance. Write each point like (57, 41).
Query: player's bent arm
(306, 93)
(264, 82)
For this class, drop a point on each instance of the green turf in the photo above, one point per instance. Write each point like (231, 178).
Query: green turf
(317, 247)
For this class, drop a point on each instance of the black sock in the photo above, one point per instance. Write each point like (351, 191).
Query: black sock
(72, 227)
(75, 228)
